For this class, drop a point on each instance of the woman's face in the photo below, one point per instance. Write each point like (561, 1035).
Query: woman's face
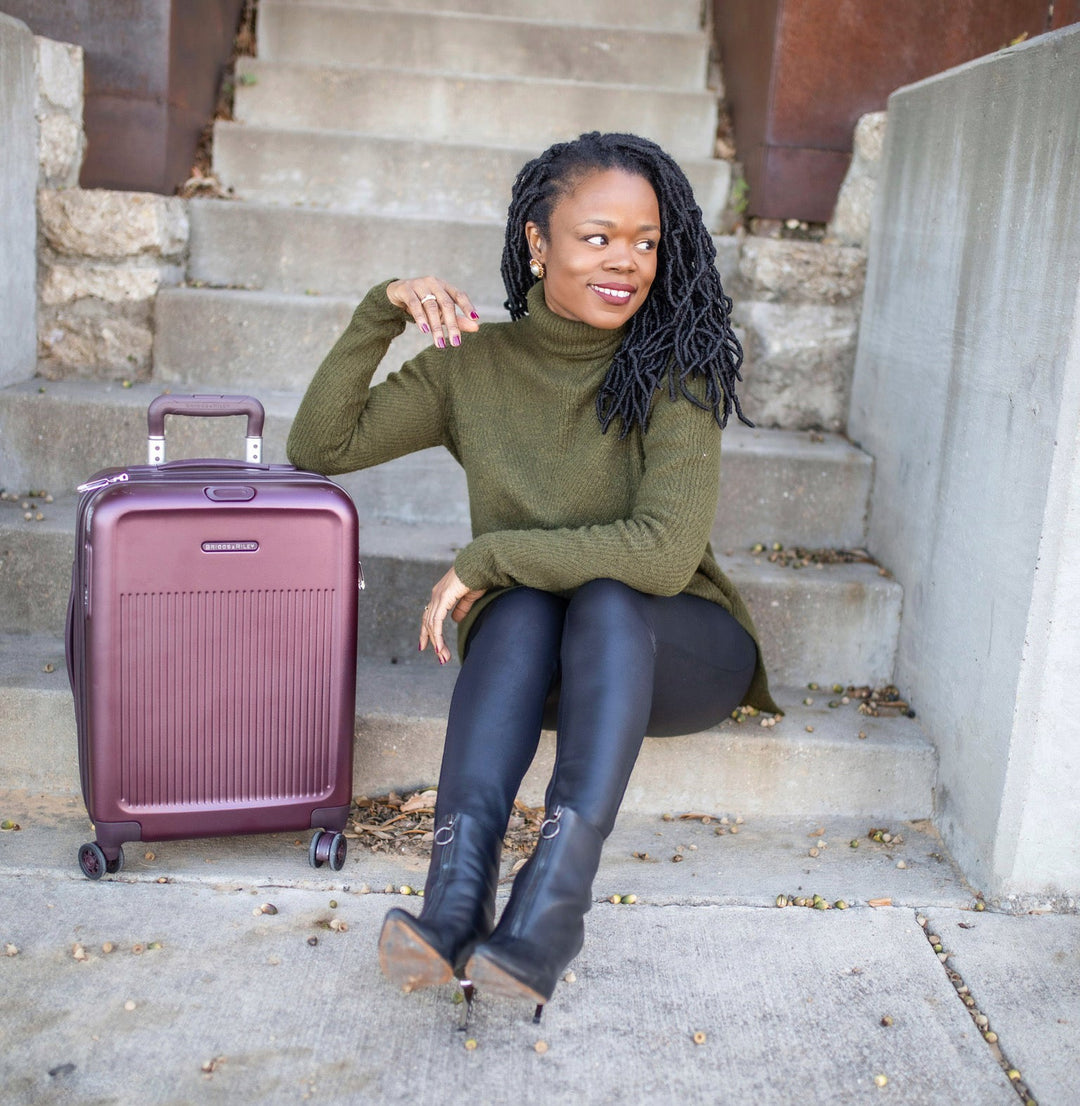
(600, 255)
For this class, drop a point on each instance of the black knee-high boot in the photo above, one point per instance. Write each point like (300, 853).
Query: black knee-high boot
(458, 910)
(607, 666)
(543, 926)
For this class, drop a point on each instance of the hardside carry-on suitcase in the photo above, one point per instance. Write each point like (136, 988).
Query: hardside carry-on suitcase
(211, 647)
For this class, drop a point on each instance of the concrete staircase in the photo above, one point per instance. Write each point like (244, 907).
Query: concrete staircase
(382, 140)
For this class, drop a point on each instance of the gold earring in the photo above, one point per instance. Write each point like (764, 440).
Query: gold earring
(536, 268)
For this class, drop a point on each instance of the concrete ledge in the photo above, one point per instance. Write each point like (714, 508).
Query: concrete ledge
(268, 247)
(390, 176)
(401, 104)
(471, 44)
(18, 216)
(401, 719)
(673, 15)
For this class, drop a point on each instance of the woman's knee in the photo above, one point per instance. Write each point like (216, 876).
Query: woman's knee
(606, 603)
(520, 616)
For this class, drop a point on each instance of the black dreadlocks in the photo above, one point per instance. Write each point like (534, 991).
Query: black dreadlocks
(683, 330)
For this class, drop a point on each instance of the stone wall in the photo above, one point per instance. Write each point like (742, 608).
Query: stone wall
(797, 314)
(18, 177)
(102, 255)
(967, 394)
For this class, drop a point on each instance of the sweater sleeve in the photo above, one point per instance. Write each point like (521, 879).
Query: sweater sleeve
(344, 424)
(656, 550)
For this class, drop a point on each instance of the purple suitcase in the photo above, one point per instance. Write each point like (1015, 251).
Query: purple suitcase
(211, 647)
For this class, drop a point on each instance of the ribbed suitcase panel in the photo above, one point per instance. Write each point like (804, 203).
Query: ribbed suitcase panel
(226, 697)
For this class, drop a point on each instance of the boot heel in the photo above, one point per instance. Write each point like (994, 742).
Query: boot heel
(458, 910)
(407, 957)
(543, 926)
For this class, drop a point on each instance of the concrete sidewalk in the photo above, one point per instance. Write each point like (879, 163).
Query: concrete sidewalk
(206, 999)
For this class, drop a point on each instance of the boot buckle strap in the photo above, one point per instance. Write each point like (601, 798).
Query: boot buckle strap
(445, 834)
(552, 821)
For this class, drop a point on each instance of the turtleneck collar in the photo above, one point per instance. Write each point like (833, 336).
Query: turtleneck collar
(570, 339)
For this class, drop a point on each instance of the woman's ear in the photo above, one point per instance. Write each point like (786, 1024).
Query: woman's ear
(535, 240)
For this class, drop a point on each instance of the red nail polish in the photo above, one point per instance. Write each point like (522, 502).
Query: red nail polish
(473, 315)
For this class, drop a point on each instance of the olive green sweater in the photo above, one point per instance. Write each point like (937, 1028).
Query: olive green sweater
(554, 502)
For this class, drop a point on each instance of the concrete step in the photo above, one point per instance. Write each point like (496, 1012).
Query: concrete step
(776, 485)
(443, 106)
(783, 770)
(480, 45)
(299, 250)
(672, 15)
(273, 341)
(834, 624)
(388, 176)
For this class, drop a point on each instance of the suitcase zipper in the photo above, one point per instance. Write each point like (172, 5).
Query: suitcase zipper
(104, 482)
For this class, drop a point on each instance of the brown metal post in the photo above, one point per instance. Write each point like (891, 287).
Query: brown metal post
(798, 75)
(152, 73)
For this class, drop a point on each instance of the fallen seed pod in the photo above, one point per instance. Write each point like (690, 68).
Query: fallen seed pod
(11, 950)
(338, 926)
(313, 941)
(781, 900)
(881, 1080)
(699, 1038)
(886, 1020)
(268, 908)
(569, 977)
(470, 1044)
(333, 904)
(840, 904)
(615, 899)
(541, 1047)
(854, 843)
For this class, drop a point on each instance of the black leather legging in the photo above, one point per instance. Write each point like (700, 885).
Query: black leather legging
(619, 664)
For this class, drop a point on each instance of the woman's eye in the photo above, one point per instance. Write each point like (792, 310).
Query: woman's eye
(597, 239)
(647, 245)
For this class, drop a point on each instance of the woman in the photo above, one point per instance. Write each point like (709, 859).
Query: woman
(589, 585)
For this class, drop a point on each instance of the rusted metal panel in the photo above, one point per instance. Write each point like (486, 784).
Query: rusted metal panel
(152, 70)
(800, 73)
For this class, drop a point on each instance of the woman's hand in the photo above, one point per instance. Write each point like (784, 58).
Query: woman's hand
(448, 597)
(434, 306)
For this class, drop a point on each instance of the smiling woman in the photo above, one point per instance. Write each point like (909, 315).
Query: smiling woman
(598, 250)
(589, 598)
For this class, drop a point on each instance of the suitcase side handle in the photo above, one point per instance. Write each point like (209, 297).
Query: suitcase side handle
(204, 406)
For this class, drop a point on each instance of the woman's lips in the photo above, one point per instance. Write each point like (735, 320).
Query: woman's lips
(617, 294)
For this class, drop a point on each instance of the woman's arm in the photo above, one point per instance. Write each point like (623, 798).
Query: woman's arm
(656, 549)
(343, 424)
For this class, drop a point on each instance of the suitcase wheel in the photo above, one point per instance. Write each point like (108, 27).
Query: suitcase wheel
(94, 864)
(328, 848)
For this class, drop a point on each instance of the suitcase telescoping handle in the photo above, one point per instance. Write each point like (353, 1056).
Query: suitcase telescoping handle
(205, 407)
